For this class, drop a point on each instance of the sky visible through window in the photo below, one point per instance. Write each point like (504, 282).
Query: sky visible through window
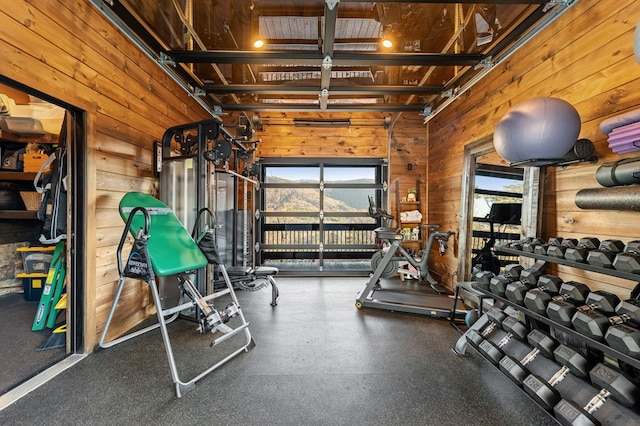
(495, 184)
(312, 174)
(482, 203)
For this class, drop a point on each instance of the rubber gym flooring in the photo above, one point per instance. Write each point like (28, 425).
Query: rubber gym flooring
(317, 361)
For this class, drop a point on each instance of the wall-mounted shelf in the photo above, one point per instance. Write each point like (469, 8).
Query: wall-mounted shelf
(10, 175)
(19, 214)
(581, 152)
(6, 136)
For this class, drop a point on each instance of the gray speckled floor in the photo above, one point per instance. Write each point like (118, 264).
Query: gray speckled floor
(318, 361)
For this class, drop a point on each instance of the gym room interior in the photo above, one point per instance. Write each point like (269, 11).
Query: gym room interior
(320, 212)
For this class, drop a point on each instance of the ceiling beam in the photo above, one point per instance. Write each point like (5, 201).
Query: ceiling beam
(310, 42)
(330, 108)
(315, 58)
(456, 1)
(329, 38)
(265, 89)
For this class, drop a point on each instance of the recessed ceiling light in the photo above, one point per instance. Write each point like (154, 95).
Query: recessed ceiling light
(258, 43)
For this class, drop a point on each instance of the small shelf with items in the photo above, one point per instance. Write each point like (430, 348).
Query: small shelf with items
(410, 224)
(22, 157)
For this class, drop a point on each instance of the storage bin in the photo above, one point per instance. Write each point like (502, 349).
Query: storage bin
(33, 161)
(36, 259)
(31, 199)
(32, 285)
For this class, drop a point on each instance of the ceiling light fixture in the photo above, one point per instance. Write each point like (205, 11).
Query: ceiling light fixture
(259, 43)
(386, 43)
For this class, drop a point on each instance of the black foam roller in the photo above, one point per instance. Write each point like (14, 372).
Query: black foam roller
(618, 198)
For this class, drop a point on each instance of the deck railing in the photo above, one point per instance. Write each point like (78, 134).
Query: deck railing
(339, 241)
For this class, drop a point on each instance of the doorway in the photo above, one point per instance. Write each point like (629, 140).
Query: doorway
(32, 126)
(481, 161)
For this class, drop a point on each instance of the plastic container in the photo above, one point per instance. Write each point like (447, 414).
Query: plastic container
(32, 285)
(36, 259)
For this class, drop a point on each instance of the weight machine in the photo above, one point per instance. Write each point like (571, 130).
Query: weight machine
(198, 163)
(433, 301)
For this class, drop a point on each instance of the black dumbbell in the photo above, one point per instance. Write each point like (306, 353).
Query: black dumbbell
(542, 247)
(495, 317)
(592, 318)
(483, 278)
(542, 344)
(493, 351)
(516, 290)
(580, 252)
(559, 248)
(629, 259)
(537, 298)
(530, 245)
(543, 391)
(517, 245)
(573, 291)
(621, 335)
(613, 383)
(498, 284)
(624, 338)
(562, 307)
(605, 254)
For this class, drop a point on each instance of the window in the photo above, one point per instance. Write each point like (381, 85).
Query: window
(314, 215)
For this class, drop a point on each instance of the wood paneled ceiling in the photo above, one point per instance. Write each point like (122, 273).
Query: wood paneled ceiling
(328, 55)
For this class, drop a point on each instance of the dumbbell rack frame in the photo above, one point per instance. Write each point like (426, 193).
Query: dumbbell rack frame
(569, 331)
(579, 265)
(462, 343)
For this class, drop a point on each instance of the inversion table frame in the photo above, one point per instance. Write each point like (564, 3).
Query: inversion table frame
(163, 247)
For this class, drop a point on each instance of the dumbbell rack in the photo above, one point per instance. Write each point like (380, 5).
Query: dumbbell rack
(569, 331)
(633, 414)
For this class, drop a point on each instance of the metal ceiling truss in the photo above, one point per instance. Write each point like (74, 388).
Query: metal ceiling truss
(327, 61)
(266, 89)
(316, 58)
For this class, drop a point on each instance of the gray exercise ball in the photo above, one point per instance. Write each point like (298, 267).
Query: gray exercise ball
(541, 128)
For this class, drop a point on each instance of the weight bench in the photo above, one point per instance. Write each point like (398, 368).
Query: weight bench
(163, 247)
(254, 279)
(244, 277)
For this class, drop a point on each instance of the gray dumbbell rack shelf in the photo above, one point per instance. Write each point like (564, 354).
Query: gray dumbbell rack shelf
(569, 331)
(579, 265)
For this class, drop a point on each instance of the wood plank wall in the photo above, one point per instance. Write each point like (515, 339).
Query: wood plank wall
(586, 58)
(67, 50)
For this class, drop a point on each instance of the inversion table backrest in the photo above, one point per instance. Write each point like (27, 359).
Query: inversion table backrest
(171, 249)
